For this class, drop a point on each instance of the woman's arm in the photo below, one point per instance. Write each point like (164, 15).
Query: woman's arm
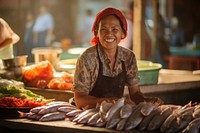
(83, 100)
(136, 95)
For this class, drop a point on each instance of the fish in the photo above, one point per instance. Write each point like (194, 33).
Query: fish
(168, 121)
(145, 122)
(118, 104)
(100, 123)
(66, 109)
(74, 113)
(52, 108)
(147, 108)
(23, 114)
(191, 129)
(121, 124)
(114, 119)
(181, 120)
(83, 114)
(84, 119)
(135, 118)
(126, 110)
(159, 118)
(196, 113)
(53, 116)
(37, 109)
(93, 119)
(58, 102)
(193, 126)
(104, 107)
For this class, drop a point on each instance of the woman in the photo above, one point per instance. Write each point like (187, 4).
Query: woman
(104, 69)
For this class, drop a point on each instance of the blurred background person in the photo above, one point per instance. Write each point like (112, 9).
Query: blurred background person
(43, 27)
(85, 34)
(177, 35)
(28, 36)
(128, 41)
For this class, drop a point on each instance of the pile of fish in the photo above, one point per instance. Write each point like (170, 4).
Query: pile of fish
(123, 116)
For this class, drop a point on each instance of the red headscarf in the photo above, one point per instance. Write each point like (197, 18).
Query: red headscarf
(103, 13)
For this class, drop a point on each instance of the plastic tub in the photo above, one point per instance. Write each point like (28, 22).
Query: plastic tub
(149, 73)
(47, 53)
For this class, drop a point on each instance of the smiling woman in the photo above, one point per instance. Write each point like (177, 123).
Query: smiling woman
(104, 69)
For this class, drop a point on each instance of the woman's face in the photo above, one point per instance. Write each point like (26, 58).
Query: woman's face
(110, 32)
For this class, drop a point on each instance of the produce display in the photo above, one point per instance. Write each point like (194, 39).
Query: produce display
(123, 116)
(43, 75)
(13, 94)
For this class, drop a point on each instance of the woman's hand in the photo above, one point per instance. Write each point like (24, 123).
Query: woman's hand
(154, 100)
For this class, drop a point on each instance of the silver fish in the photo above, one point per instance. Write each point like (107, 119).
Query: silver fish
(84, 119)
(193, 126)
(114, 119)
(147, 108)
(196, 113)
(118, 104)
(126, 110)
(168, 121)
(74, 113)
(53, 116)
(181, 120)
(191, 129)
(121, 124)
(135, 118)
(58, 102)
(93, 119)
(37, 109)
(100, 123)
(66, 109)
(145, 122)
(83, 113)
(104, 107)
(52, 108)
(159, 118)
(23, 114)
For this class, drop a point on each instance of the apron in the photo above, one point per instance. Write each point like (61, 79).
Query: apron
(105, 86)
(109, 86)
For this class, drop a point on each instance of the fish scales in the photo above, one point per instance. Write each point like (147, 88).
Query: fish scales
(84, 113)
(118, 104)
(104, 107)
(193, 126)
(121, 124)
(93, 119)
(74, 113)
(135, 118)
(147, 108)
(181, 120)
(126, 110)
(84, 119)
(158, 119)
(114, 119)
(66, 109)
(51, 108)
(53, 116)
(145, 122)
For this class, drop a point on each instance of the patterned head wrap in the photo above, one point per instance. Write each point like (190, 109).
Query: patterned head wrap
(106, 12)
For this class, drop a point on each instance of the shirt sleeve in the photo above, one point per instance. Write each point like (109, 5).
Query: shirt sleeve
(132, 72)
(82, 76)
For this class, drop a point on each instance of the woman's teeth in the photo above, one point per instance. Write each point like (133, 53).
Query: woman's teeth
(109, 40)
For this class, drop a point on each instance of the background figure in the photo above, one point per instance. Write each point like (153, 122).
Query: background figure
(162, 45)
(28, 36)
(128, 41)
(85, 33)
(177, 35)
(43, 28)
